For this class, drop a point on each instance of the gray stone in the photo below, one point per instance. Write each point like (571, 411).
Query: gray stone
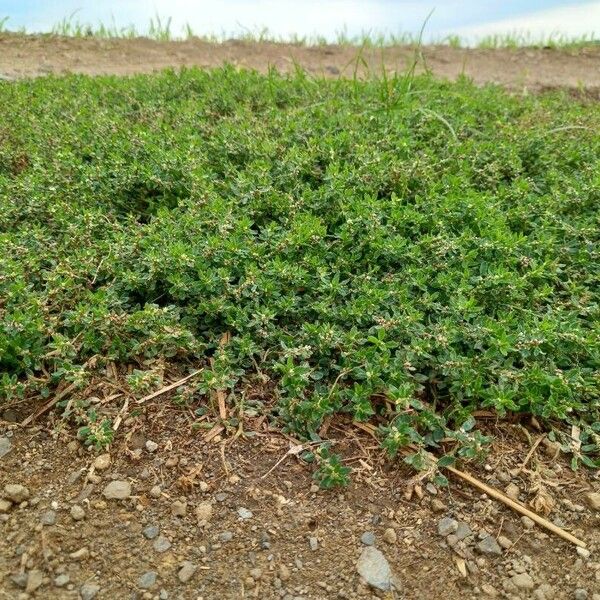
(488, 545)
(48, 517)
(373, 567)
(34, 580)
(117, 490)
(61, 580)
(463, 531)
(151, 446)
(147, 580)
(244, 513)
(161, 544)
(313, 543)
(225, 536)
(447, 526)
(5, 446)
(88, 591)
(504, 542)
(581, 594)
(368, 538)
(150, 531)
(163, 595)
(187, 571)
(522, 581)
(19, 579)
(221, 497)
(15, 492)
(156, 492)
(77, 512)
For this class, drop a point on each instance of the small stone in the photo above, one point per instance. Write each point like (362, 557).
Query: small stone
(19, 579)
(48, 517)
(203, 486)
(256, 574)
(234, 479)
(151, 446)
(522, 581)
(150, 531)
(368, 538)
(489, 590)
(88, 591)
(163, 595)
(583, 552)
(488, 545)
(447, 526)
(172, 461)
(431, 489)
(244, 513)
(204, 512)
(390, 536)
(437, 505)
(373, 567)
(284, 573)
(544, 592)
(161, 544)
(504, 542)
(593, 500)
(512, 491)
(80, 554)
(5, 506)
(221, 497)
(117, 490)
(463, 531)
(527, 523)
(179, 508)
(313, 543)
(34, 580)
(156, 492)
(225, 536)
(147, 580)
(15, 492)
(581, 594)
(187, 571)
(61, 580)
(5, 446)
(102, 462)
(77, 512)
(314, 488)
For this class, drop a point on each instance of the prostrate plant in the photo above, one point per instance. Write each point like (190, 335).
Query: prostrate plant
(402, 250)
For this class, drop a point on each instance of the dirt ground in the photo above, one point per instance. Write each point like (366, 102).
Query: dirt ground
(520, 69)
(237, 517)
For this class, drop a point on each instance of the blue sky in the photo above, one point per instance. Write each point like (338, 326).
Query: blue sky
(324, 17)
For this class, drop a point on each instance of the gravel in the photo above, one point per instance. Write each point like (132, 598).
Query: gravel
(161, 544)
(374, 568)
(447, 526)
(77, 512)
(313, 543)
(15, 492)
(522, 581)
(489, 546)
(151, 446)
(61, 580)
(187, 571)
(390, 536)
(368, 538)
(88, 591)
(225, 536)
(48, 517)
(244, 513)
(102, 462)
(150, 531)
(179, 508)
(147, 580)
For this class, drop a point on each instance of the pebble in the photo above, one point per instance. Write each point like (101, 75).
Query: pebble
(593, 500)
(221, 497)
(147, 580)
(512, 491)
(204, 512)
(583, 552)
(368, 538)
(373, 567)
(437, 505)
(48, 517)
(5, 505)
(187, 571)
(284, 573)
(88, 591)
(527, 522)
(431, 489)
(15, 492)
(156, 492)
(225, 536)
(161, 544)
(504, 542)
(61, 580)
(5, 446)
(463, 531)
(447, 526)
(77, 512)
(313, 543)
(522, 581)
(244, 513)
(179, 508)
(117, 490)
(150, 531)
(489, 590)
(151, 446)
(581, 594)
(34, 580)
(390, 536)
(102, 462)
(488, 545)
(80, 554)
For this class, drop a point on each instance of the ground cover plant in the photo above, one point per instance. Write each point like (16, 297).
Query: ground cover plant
(402, 250)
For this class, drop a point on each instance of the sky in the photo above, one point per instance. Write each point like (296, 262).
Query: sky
(468, 18)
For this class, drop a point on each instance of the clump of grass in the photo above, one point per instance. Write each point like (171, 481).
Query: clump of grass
(399, 250)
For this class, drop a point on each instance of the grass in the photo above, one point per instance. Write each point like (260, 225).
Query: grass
(399, 250)
(160, 29)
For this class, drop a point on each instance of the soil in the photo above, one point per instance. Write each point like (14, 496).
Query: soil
(520, 69)
(269, 554)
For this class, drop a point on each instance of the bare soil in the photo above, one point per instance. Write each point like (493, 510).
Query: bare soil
(520, 69)
(269, 554)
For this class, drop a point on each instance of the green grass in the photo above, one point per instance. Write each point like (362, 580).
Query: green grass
(399, 250)
(160, 29)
